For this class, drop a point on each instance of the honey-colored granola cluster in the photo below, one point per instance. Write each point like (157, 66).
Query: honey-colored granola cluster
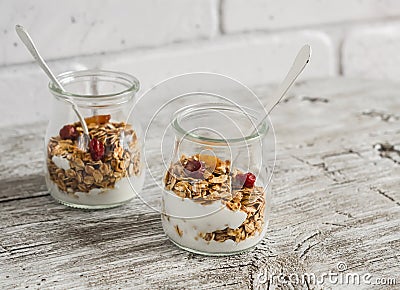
(121, 157)
(217, 181)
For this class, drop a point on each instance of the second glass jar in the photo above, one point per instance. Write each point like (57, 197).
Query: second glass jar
(216, 197)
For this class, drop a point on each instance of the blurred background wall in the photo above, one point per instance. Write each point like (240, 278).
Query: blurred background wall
(251, 40)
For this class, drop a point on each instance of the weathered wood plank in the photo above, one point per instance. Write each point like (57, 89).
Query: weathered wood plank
(335, 200)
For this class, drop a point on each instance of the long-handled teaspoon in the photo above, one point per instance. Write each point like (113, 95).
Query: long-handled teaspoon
(300, 62)
(28, 42)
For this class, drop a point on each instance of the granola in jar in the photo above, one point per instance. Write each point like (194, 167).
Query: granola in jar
(211, 208)
(98, 175)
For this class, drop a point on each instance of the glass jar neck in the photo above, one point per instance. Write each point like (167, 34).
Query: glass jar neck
(96, 88)
(219, 124)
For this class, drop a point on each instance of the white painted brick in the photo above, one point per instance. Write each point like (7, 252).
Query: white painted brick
(24, 96)
(252, 60)
(244, 15)
(75, 27)
(372, 52)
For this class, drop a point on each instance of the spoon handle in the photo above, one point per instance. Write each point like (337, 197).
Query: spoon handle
(27, 40)
(300, 62)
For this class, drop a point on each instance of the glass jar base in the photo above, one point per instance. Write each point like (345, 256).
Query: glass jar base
(215, 254)
(85, 206)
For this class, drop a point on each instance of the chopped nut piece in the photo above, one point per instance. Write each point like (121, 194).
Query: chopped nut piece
(99, 119)
(209, 160)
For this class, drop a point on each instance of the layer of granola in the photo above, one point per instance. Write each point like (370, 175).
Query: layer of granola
(120, 157)
(205, 179)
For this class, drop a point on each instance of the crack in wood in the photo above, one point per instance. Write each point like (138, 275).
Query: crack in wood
(336, 154)
(3, 250)
(235, 265)
(344, 213)
(315, 99)
(381, 192)
(234, 283)
(392, 159)
(335, 224)
(288, 98)
(386, 117)
(28, 185)
(302, 160)
(309, 247)
(30, 224)
(379, 259)
(35, 195)
(300, 244)
(388, 151)
(16, 250)
(335, 175)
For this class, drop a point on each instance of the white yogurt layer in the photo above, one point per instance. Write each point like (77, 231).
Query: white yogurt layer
(190, 239)
(121, 192)
(193, 218)
(206, 218)
(61, 162)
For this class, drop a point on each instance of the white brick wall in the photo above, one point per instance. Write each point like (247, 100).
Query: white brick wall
(253, 41)
(372, 52)
(245, 15)
(75, 27)
(252, 59)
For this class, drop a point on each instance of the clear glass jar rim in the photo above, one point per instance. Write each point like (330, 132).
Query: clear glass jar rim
(132, 86)
(260, 133)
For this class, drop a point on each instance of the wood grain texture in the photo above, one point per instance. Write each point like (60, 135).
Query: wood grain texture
(336, 198)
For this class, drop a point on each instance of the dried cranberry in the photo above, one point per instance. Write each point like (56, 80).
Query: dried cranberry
(68, 132)
(195, 169)
(250, 180)
(244, 180)
(96, 149)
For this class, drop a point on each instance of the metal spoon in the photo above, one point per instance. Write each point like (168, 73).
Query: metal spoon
(300, 62)
(27, 40)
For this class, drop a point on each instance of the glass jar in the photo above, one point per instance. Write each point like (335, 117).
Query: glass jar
(216, 197)
(104, 170)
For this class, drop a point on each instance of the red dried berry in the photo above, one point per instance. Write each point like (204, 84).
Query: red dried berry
(244, 180)
(195, 169)
(96, 149)
(250, 180)
(68, 132)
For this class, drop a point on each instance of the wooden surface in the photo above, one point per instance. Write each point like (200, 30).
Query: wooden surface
(336, 199)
